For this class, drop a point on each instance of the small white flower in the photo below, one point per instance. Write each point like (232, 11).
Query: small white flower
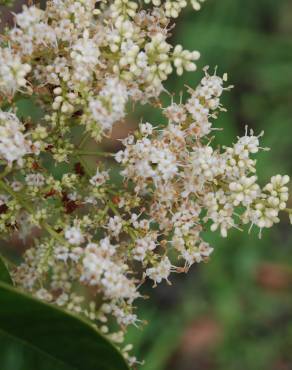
(35, 179)
(12, 72)
(115, 225)
(13, 143)
(74, 235)
(160, 271)
(99, 178)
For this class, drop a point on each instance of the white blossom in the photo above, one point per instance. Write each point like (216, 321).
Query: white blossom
(160, 271)
(74, 235)
(13, 142)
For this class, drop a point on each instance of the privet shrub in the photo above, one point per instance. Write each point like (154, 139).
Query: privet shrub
(86, 63)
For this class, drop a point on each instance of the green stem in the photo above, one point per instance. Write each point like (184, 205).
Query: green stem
(30, 210)
(132, 234)
(94, 153)
(83, 140)
(5, 172)
(84, 164)
(113, 208)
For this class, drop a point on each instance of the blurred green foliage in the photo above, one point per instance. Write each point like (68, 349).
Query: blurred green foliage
(234, 313)
(5, 3)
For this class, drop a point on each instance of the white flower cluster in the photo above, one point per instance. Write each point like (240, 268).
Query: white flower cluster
(174, 7)
(146, 159)
(84, 62)
(92, 59)
(12, 71)
(181, 172)
(100, 269)
(110, 107)
(13, 143)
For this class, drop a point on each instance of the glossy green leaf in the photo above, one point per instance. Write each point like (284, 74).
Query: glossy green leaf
(4, 273)
(61, 335)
